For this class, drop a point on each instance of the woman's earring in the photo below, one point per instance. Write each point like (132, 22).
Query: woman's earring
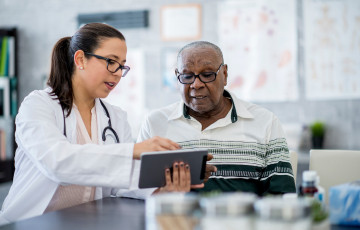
(81, 67)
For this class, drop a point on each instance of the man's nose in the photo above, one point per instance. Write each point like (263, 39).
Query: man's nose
(197, 83)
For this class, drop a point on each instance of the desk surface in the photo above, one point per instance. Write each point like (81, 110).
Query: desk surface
(107, 213)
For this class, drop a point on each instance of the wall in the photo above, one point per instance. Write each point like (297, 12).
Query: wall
(41, 23)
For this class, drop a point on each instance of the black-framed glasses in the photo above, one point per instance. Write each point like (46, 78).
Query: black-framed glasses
(112, 65)
(205, 77)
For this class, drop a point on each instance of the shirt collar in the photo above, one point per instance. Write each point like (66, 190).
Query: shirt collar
(238, 109)
(241, 106)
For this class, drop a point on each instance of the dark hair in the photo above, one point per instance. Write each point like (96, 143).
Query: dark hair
(202, 44)
(88, 39)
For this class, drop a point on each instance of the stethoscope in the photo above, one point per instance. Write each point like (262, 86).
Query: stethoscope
(109, 127)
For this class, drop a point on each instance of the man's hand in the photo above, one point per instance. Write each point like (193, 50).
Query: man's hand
(209, 168)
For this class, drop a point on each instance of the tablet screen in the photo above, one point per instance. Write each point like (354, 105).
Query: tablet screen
(153, 165)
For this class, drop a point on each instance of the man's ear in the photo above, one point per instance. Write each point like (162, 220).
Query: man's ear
(225, 71)
(79, 59)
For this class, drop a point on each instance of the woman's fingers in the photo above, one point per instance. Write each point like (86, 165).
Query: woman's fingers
(168, 178)
(197, 186)
(168, 144)
(188, 177)
(175, 176)
(154, 144)
(182, 181)
(179, 181)
(182, 176)
(160, 143)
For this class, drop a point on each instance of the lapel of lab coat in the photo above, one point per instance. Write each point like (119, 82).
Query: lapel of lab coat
(102, 121)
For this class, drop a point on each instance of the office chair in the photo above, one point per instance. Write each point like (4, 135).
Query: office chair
(294, 162)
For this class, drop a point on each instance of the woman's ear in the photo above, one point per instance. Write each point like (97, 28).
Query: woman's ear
(79, 59)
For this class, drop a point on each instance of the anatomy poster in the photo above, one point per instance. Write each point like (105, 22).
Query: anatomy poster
(259, 42)
(332, 49)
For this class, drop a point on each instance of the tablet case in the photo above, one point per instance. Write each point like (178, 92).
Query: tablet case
(153, 165)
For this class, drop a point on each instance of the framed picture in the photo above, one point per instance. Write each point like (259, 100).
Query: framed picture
(4, 97)
(181, 22)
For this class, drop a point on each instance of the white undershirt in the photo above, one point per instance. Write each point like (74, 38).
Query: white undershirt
(71, 195)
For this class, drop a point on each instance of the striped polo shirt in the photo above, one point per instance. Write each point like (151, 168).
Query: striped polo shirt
(248, 145)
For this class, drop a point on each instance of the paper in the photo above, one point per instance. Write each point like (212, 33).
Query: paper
(129, 94)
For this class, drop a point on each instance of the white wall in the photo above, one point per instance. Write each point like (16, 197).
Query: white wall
(41, 23)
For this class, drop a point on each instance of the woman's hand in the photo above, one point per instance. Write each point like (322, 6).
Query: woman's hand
(180, 181)
(154, 144)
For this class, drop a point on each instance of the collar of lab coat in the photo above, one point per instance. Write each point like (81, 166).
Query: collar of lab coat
(102, 119)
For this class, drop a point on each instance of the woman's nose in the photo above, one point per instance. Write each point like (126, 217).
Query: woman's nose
(118, 73)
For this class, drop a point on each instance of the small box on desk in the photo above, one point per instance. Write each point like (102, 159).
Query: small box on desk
(344, 202)
(6, 170)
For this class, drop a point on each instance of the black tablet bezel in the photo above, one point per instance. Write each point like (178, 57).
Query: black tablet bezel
(153, 165)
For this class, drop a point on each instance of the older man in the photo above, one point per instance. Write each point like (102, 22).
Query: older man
(247, 142)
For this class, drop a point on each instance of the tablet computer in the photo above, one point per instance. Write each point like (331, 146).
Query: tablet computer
(153, 165)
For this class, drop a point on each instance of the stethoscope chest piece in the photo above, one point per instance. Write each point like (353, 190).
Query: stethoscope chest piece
(109, 127)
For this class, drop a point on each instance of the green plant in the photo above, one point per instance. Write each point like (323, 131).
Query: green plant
(317, 129)
(318, 212)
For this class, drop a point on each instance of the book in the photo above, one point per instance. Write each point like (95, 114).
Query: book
(4, 97)
(3, 56)
(2, 145)
(13, 96)
(11, 56)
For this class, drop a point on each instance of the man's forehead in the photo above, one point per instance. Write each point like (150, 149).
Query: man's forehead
(198, 56)
(197, 51)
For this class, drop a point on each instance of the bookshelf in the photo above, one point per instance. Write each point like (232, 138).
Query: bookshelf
(8, 100)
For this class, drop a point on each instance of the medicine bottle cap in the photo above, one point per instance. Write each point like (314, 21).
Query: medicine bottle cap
(172, 203)
(277, 208)
(228, 204)
(309, 176)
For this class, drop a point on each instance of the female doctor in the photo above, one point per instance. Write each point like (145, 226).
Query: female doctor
(72, 146)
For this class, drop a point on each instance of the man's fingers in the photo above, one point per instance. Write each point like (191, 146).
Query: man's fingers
(208, 170)
(209, 157)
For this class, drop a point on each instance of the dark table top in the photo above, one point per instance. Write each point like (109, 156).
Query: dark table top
(107, 213)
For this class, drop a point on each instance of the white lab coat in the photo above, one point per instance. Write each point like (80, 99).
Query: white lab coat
(45, 158)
